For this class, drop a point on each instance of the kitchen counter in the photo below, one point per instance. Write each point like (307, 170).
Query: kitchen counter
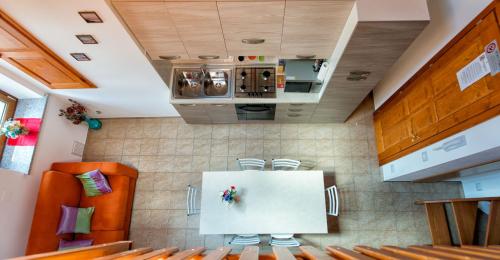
(281, 97)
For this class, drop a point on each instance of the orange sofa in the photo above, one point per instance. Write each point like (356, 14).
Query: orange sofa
(111, 219)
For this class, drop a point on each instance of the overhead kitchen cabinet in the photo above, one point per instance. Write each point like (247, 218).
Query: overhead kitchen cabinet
(152, 27)
(312, 28)
(432, 105)
(260, 24)
(199, 28)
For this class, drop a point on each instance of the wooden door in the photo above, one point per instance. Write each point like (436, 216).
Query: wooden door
(252, 20)
(454, 105)
(199, 28)
(153, 27)
(312, 28)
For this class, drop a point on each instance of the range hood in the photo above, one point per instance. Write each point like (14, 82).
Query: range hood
(475, 146)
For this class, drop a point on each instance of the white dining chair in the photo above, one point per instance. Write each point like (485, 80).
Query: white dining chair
(285, 165)
(192, 201)
(333, 201)
(251, 164)
(285, 240)
(247, 239)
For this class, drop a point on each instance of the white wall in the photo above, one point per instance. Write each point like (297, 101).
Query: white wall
(481, 181)
(18, 192)
(448, 18)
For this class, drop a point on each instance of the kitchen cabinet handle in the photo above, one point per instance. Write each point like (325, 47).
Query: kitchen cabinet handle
(219, 105)
(296, 105)
(293, 115)
(295, 109)
(187, 105)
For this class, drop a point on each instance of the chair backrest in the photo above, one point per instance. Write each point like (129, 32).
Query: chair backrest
(251, 164)
(333, 201)
(285, 165)
(191, 201)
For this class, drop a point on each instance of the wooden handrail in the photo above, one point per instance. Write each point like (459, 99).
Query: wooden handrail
(456, 200)
(82, 253)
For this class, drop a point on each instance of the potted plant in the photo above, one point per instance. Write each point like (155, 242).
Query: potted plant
(229, 196)
(13, 129)
(77, 113)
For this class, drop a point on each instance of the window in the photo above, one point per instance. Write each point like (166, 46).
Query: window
(7, 109)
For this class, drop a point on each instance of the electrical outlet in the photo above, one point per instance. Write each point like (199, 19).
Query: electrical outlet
(479, 187)
(78, 148)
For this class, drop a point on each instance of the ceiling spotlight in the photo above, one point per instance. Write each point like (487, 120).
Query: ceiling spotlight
(253, 41)
(86, 38)
(80, 56)
(90, 17)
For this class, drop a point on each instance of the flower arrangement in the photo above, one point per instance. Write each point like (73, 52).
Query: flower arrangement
(77, 113)
(13, 129)
(229, 196)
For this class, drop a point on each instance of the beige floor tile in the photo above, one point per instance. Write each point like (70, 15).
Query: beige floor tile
(171, 154)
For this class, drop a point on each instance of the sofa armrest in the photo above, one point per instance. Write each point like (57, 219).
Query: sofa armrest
(107, 168)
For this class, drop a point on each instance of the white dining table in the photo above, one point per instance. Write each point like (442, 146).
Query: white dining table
(270, 202)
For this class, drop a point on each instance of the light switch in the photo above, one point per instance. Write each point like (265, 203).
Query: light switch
(78, 148)
(425, 156)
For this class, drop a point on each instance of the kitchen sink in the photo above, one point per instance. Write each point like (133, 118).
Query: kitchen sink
(191, 83)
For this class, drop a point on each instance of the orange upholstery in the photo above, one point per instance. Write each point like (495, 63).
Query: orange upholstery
(111, 219)
(101, 237)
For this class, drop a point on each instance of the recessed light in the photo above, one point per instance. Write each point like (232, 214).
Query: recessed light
(171, 57)
(86, 38)
(208, 57)
(90, 17)
(80, 56)
(253, 41)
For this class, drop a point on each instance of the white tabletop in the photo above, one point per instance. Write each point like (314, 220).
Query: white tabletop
(271, 202)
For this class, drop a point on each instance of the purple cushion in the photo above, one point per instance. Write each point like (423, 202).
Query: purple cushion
(75, 220)
(65, 245)
(94, 183)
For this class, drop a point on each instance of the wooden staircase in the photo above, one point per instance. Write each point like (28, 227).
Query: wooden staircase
(121, 251)
(456, 222)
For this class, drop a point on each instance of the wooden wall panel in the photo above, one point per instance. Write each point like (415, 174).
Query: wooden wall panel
(23, 50)
(435, 104)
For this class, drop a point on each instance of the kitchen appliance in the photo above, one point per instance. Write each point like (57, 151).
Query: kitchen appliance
(301, 76)
(201, 82)
(255, 82)
(255, 111)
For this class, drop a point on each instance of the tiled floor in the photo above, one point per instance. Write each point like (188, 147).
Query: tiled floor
(171, 154)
